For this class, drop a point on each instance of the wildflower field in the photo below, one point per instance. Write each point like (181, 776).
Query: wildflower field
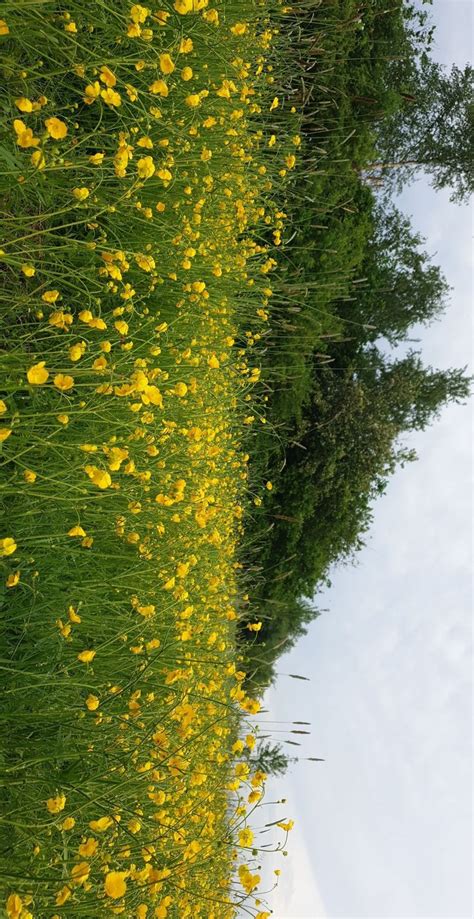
(142, 176)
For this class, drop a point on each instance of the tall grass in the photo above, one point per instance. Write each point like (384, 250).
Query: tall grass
(139, 221)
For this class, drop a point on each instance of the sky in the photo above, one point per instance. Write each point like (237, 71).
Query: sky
(384, 825)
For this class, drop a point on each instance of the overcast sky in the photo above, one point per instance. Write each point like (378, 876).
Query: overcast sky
(383, 827)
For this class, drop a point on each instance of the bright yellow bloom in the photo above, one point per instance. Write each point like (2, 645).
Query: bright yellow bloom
(28, 270)
(4, 30)
(89, 847)
(96, 159)
(239, 28)
(76, 531)
(63, 419)
(107, 76)
(57, 804)
(91, 92)
(86, 657)
(37, 375)
(159, 88)
(24, 136)
(99, 477)
(81, 193)
(63, 895)
(29, 476)
(183, 6)
(287, 826)
(100, 825)
(111, 97)
(92, 702)
(80, 873)
(254, 626)
(115, 885)
(4, 433)
(50, 296)
(24, 105)
(181, 389)
(121, 326)
(68, 823)
(56, 128)
(3, 407)
(70, 27)
(139, 14)
(13, 579)
(145, 167)
(186, 45)
(193, 100)
(166, 64)
(63, 381)
(187, 74)
(246, 837)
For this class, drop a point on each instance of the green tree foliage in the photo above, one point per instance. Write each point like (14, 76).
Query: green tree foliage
(356, 281)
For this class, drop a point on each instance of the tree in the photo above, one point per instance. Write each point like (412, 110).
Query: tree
(271, 759)
(400, 286)
(433, 130)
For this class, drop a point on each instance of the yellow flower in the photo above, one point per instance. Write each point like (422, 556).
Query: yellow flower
(76, 351)
(24, 136)
(186, 45)
(70, 27)
(63, 895)
(115, 885)
(275, 103)
(57, 804)
(3, 407)
(92, 702)
(73, 617)
(50, 296)
(239, 28)
(38, 160)
(121, 326)
(99, 477)
(4, 30)
(91, 92)
(269, 486)
(63, 419)
(159, 88)
(37, 375)
(28, 270)
(107, 76)
(63, 381)
(193, 100)
(111, 97)
(24, 105)
(166, 64)
(89, 847)
(81, 193)
(246, 837)
(187, 74)
(146, 167)
(4, 433)
(29, 476)
(139, 14)
(68, 823)
(76, 531)
(254, 626)
(86, 657)
(181, 389)
(96, 159)
(287, 826)
(56, 128)
(213, 362)
(100, 825)
(183, 6)
(13, 579)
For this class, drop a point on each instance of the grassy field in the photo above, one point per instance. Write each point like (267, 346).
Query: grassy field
(142, 177)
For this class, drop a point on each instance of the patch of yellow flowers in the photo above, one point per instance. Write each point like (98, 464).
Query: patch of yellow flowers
(138, 273)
